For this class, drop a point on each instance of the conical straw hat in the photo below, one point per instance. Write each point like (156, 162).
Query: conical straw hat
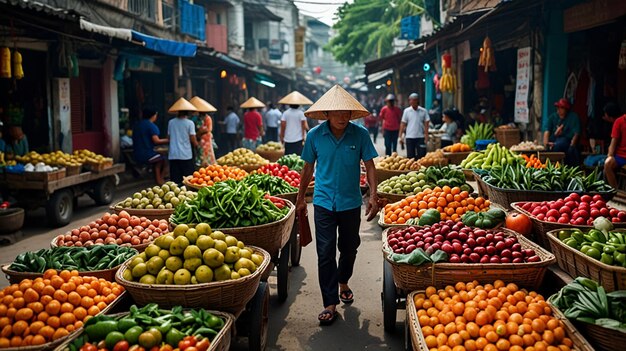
(295, 98)
(182, 105)
(202, 105)
(336, 99)
(252, 103)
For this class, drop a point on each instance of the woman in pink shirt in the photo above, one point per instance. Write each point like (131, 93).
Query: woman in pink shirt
(390, 115)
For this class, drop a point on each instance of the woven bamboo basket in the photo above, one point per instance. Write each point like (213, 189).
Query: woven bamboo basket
(505, 197)
(384, 174)
(507, 137)
(483, 188)
(292, 197)
(455, 158)
(576, 264)
(541, 228)
(529, 274)
(148, 213)
(15, 277)
(392, 197)
(188, 184)
(419, 343)
(271, 156)
(140, 248)
(229, 295)
(469, 174)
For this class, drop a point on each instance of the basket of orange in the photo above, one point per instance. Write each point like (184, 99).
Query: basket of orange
(208, 176)
(456, 153)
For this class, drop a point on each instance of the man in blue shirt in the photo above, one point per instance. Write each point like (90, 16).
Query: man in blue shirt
(335, 149)
(145, 138)
(561, 131)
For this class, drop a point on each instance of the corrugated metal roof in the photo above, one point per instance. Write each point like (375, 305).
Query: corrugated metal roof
(472, 6)
(36, 6)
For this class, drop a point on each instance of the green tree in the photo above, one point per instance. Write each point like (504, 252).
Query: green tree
(366, 28)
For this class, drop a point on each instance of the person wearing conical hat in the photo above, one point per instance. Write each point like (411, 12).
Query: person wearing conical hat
(182, 134)
(145, 138)
(205, 154)
(334, 150)
(293, 125)
(252, 124)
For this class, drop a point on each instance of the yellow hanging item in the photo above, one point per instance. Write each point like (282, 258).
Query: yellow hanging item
(18, 72)
(5, 62)
(487, 58)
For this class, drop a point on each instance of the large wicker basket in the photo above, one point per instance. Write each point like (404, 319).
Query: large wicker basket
(541, 228)
(469, 174)
(455, 158)
(392, 197)
(271, 156)
(292, 197)
(15, 277)
(148, 213)
(529, 274)
(576, 264)
(228, 295)
(188, 184)
(419, 343)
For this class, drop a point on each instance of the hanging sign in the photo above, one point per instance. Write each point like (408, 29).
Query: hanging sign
(523, 85)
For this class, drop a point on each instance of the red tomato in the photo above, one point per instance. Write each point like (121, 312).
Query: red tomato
(184, 344)
(166, 347)
(519, 222)
(121, 346)
(89, 347)
(203, 345)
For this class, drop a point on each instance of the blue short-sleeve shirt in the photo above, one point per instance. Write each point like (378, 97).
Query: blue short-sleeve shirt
(338, 170)
(143, 145)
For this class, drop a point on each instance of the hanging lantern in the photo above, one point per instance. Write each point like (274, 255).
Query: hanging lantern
(487, 58)
(18, 72)
(5, 62)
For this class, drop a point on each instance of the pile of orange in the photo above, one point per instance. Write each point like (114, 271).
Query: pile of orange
(458, 147)
(488, 317)
(207, 176)
(452, 203)
(35, 312)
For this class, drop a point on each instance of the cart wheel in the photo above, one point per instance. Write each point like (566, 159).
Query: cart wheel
(60, 207)
(296, 249)
(103, 191)
(390, 303)
(408, 343)
(259, 309)
(283, 273)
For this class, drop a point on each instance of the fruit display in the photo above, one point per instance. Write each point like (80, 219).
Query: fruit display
(457, 147)
(270, 146)
(485, 220)
(192, 256)
(527, 146)
(166, 196)
(574, 209)
(396, 162)
(229, 204)
(57, 158)
(584, 300)
(48, 308)
(4, 162)
(478, 131)
(550, 178)
(148, 328)
(451, 203)
(426, 178)
(293, 162)
(290, 176)
(121, 229)
(242, 157)
(495, 155)
(433, 158)
(271, 184)
(489, 317)
(207, 176)
(460, 243)
(533, 161)
(39, 167)
(519, 222)
(82, 259)
(608, 248)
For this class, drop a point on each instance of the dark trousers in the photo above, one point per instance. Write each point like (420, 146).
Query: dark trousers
(391, 141)
(327, 225)
(232, 141)
(572, 155)
(293, 148)
(271, 134)
(415, 148)
(179, 169)
(373, 132)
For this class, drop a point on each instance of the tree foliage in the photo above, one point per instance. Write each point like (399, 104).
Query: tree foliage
(366, 28)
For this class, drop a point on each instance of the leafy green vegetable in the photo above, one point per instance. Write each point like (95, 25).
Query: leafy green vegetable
(293, 161)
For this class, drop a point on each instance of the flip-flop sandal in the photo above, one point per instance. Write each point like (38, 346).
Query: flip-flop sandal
(327, 321)
(346, 296)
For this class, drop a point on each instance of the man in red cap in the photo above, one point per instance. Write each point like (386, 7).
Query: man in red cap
(561, 131)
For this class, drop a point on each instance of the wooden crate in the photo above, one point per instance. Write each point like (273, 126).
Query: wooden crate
(507, 137)
(45, 176)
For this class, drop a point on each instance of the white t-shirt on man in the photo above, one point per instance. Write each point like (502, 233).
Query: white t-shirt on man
(293, 128)
(414, 119)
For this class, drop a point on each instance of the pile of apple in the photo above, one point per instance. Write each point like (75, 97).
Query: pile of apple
(291, 177)
(574, 209)
(121, 229)
(463, 244)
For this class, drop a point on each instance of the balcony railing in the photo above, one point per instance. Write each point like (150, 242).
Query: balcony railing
(143, 8)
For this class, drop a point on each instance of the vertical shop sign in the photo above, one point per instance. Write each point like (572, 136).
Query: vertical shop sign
(299, 45)
(523, 85)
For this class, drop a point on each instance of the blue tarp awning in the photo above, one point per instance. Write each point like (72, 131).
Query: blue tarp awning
(165, 46)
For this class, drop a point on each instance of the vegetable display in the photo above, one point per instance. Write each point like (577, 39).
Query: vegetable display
(270, 146)
(489, 317)
(426, 178)
(150, 328)
(82, 259)
(533, 161)
(585, 301)
(485, 220)
(433, 158)
(457, 147)
(478, 131)
(207, 176)
(607, 247)
(292, 161)
(241, 157)
(229, 204)
(269, 183)
(460, 243)
(451, 203)
(396, 162)
(166, 196)
(574, 209)
(47, 308)
(121, 229)
(495, 155)
(290, 176)
(527, 146)
(550, 178)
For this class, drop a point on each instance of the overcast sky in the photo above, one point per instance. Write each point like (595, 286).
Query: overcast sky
(324, 10)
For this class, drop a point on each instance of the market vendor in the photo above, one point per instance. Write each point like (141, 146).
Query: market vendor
(252, 124)
(145, 138)
(18, 142)
(334, 149)
(561, 131)
(616, 156)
